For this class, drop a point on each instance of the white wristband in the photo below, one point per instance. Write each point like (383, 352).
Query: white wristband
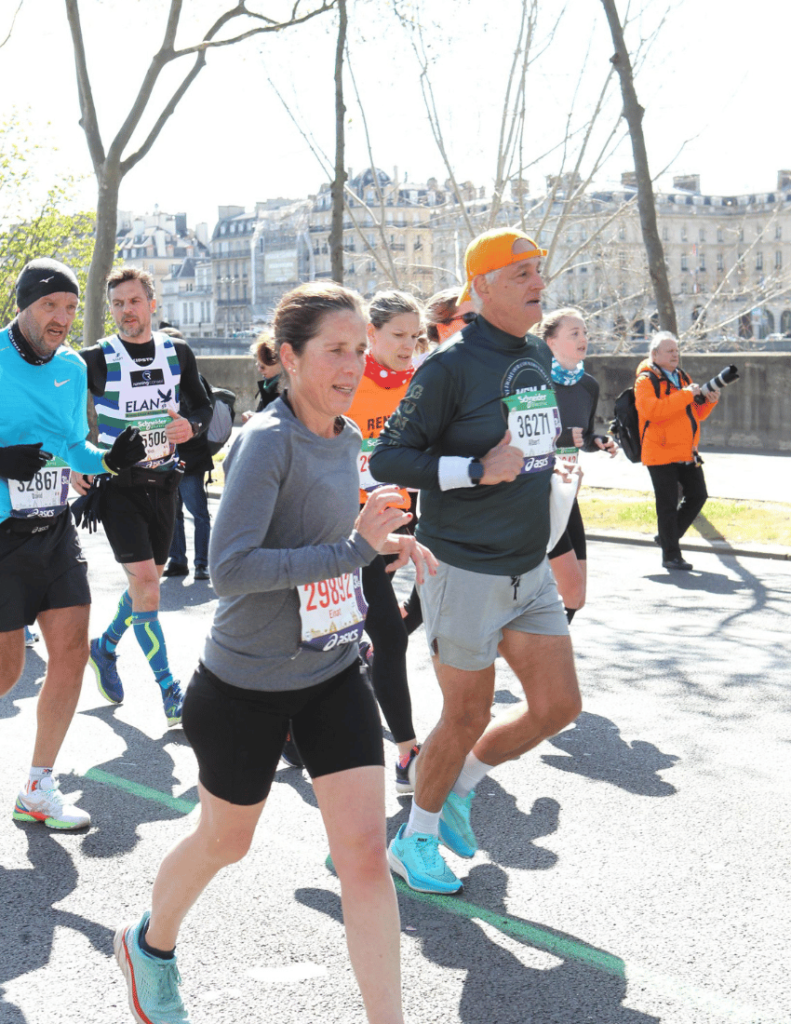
(454, 472)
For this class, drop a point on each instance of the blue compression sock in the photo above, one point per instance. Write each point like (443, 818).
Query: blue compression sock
(119, 625)
(152, 641)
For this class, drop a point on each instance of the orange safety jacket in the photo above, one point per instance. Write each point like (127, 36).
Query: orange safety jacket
(669, 419)
(376, 399)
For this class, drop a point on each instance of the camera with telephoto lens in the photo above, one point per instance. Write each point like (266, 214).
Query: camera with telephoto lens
(726, 376)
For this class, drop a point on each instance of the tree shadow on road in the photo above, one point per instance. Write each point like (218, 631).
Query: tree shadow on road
(598, 752)
(518, 971)
(130, 790)
(29, 919)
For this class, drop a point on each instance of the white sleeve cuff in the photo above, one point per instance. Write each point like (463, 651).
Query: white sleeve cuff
(453, 472)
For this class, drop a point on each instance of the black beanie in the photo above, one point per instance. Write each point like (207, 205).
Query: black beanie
(43, 277)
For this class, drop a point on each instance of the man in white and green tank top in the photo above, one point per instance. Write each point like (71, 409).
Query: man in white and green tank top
(137, 377)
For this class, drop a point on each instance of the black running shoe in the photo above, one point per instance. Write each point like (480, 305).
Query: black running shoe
(291, 755)
(405, 777)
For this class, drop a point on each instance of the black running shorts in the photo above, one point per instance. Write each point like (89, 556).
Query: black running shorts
(573, 538)
(41, 571)
(238, 734)
(138, 522)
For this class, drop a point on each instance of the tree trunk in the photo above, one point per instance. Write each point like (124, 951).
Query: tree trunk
(633, 113)
(103, 254)
(336, 228)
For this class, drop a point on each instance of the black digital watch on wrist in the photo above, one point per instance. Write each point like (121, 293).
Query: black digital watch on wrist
(476, 470)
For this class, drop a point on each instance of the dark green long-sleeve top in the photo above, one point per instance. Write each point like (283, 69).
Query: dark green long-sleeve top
(454, 407)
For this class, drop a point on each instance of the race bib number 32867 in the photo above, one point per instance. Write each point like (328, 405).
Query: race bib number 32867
(534, 423)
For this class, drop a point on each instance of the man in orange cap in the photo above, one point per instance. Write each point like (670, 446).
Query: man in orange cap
(476, 433)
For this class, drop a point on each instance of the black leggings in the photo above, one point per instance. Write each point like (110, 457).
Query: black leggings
(573, 538)
(385, 627)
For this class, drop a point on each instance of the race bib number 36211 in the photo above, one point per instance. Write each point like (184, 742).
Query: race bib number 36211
(534, 423)
(332, 612)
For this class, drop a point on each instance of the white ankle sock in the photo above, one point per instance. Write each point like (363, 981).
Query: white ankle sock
(470, 775)
(422, 821)
(36, 775)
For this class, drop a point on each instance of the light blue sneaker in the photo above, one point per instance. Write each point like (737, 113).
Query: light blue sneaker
(173, 702)
(152, 984)
(417, 860)
(455, 830)
(103, 665)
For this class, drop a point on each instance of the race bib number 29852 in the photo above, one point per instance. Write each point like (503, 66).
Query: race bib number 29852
(332, 612)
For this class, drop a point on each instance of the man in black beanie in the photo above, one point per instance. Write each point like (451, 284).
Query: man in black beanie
(43, 574)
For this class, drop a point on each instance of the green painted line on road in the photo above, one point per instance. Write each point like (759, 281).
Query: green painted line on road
(567, 949)
(175, 803)
(540, 938)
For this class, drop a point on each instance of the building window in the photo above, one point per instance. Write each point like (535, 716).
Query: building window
(665, 234)
(759, 261)
(719, 235)
(622, 233)
(778, 232)
(684, 262)
(683, 286)
(702, 235)
(778, 260)
(684, 233)
(702, 262)
(720, 262)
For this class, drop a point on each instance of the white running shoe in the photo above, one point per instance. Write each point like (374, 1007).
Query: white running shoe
(46, 803)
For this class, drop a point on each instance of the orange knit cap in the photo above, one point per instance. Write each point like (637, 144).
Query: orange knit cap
(493, 250)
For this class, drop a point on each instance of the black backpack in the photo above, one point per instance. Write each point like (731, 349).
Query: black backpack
(625, 426)
(223, 403)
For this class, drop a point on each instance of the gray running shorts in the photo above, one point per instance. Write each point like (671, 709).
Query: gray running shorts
(465, 612)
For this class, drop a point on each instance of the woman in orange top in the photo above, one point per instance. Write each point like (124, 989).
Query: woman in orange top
(393, 331)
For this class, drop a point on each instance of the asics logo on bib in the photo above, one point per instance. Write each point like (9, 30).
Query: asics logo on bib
(43, 512)
(348, 638)
(532, 463)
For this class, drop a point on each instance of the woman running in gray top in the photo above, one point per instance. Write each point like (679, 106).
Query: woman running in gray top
(286, 553)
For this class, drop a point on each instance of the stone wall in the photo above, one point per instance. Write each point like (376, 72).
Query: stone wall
(753, 412)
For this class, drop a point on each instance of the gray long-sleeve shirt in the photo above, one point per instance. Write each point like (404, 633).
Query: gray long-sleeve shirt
(286, 518)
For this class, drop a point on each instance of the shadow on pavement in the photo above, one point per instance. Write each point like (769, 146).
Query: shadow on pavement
(518, 971)
(597, 752)
(29, 920)
(27, 686)
(143, 793)
(298, 780)
(179, 592)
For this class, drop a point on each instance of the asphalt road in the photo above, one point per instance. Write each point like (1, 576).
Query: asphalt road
(633, 870)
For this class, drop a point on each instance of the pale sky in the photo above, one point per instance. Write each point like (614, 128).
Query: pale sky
(712, 77)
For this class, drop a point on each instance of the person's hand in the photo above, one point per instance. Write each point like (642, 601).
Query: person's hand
(127, 449)
(407, 548)
(81, 482)
(247, 415)
(576, 437)
(694, 389)
(22, 461)
(503, 463)
(608, 445)
(713, 397)
(179, 429)
(381, 516)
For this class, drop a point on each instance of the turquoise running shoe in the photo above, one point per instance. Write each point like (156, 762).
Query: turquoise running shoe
(417, 860)
(152, 984)
(103, 665)
(173, 702)
(455, 830)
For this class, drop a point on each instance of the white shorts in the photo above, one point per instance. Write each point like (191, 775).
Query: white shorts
(466, 612)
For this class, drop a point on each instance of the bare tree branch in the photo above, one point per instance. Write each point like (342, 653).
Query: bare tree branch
(13, 22)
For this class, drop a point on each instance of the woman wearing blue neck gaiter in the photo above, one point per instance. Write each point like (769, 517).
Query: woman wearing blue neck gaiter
(577, 395)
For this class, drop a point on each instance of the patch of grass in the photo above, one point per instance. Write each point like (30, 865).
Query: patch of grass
(760, 522)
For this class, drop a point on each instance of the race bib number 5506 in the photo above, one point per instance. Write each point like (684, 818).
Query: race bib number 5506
(332, 612)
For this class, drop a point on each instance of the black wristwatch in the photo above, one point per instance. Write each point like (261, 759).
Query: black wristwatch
(476, 470)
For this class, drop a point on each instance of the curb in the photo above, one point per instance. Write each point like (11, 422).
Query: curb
(714, 547)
